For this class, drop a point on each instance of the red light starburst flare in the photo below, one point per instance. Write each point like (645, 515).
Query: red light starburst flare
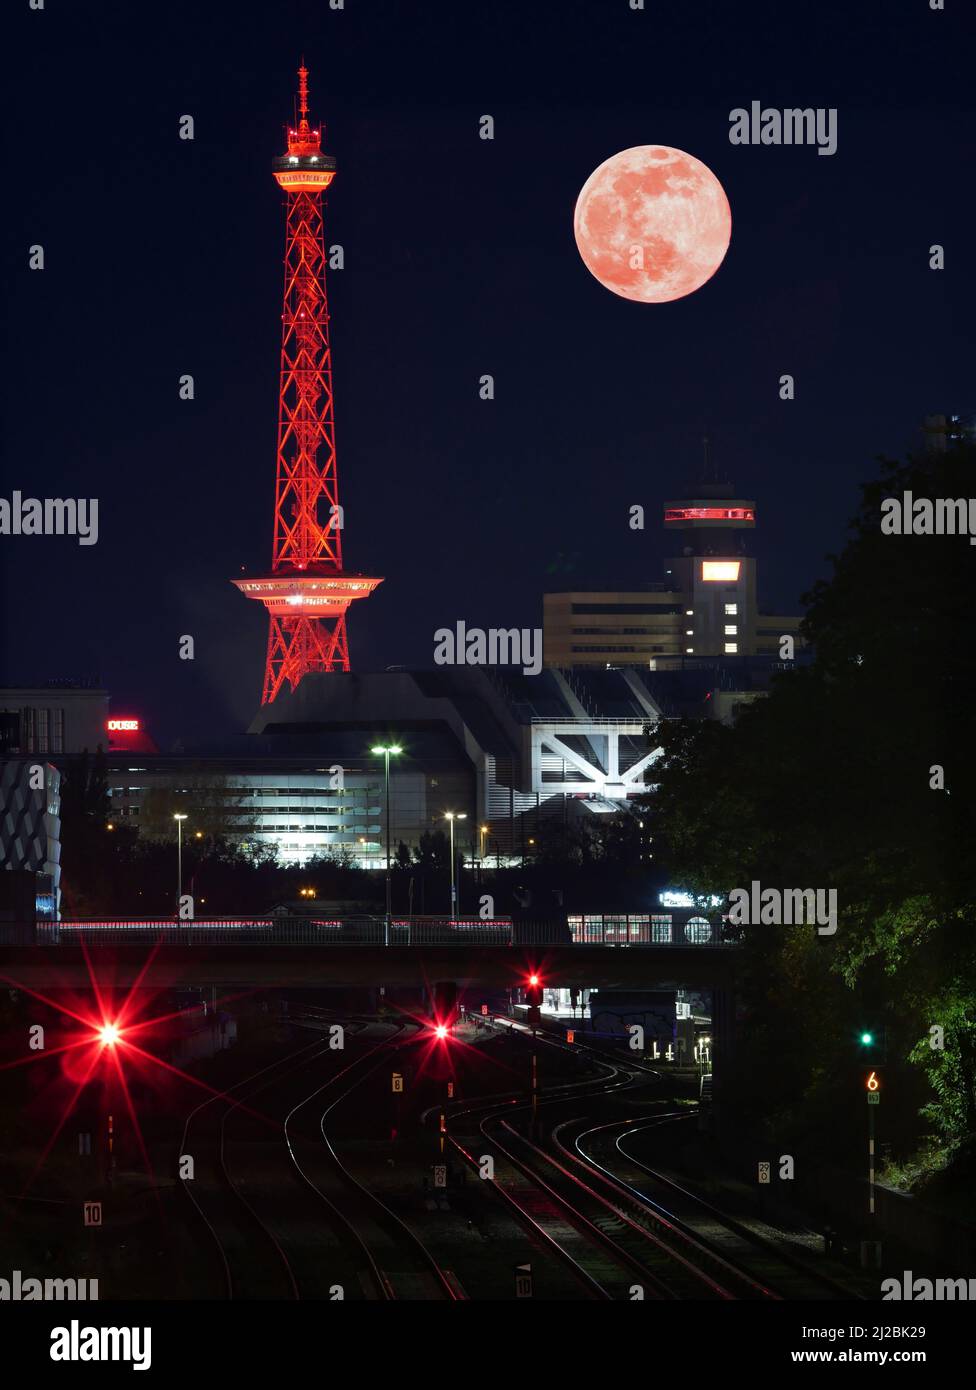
(104, 1041)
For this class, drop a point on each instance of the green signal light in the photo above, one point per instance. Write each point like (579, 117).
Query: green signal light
(867, 1039)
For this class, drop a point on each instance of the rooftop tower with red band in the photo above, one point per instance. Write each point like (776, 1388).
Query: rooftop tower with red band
(307, 593)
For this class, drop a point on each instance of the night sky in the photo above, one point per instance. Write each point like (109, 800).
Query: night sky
(163, 257)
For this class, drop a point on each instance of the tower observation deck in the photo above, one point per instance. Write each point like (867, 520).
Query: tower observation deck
(307, 592)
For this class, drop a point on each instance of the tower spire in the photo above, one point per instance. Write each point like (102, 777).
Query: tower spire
(303, 92)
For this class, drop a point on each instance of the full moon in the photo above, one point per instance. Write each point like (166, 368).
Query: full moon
(652, 224)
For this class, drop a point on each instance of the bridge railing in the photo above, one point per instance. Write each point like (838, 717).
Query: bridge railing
(289, 931)
(308, 931)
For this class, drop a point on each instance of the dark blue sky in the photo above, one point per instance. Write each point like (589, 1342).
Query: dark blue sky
(164, 257)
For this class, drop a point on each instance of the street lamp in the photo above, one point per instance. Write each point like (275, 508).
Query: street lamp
(179, 859)
(482, 831)
(451, 817)
(387, 749)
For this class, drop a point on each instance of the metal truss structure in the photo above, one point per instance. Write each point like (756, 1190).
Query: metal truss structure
(587, 757)
(307, 593)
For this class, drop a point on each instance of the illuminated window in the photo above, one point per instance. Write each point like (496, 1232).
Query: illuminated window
(731, 648)
(689, 632)
(698, 931)
(731, 610)
(719, 569)
(661, 929)
(689, 612)
(689, 649)
(731, 630)
(709, 514)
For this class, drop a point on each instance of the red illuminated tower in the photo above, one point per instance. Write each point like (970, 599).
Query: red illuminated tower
(307, 592)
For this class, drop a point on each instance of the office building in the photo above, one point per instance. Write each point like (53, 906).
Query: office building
(706, 606)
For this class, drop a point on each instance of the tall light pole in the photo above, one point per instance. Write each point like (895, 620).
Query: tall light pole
(482, 832)
(387, 749)
(451, 817)
(179, 859)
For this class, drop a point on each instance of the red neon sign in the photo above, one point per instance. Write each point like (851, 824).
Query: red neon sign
(709, 514)
(118, 725)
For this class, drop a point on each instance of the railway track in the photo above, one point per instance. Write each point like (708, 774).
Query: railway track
(617, 1245)
(398, 1263)
(708, 1244)
(271, 1242)
(606, 1151)
(590, 1247)
(791, 1276)
(623, 1229)
(236, 1229)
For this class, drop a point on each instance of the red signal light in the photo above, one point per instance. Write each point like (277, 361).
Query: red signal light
(109, 1035)
(440, 1031)
(533, 989)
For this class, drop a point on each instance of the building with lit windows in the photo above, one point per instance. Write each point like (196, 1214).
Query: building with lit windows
(30, 828)
(57, 718)
(308, 798)
(505, 752)
(706, 606)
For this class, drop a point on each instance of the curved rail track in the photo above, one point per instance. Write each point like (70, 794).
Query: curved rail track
(257, 1259)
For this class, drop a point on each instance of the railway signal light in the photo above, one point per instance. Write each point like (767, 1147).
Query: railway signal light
(872, 1043)
(533, 990)
(444, 1007)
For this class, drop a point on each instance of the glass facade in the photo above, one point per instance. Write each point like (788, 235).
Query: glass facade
(301, 813)
(639, 929)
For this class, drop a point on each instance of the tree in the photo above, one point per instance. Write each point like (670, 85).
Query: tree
(855, 774)
(214, 805)
(433, 853)
(87, 845)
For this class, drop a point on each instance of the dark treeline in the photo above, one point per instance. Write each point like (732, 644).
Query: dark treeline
(119, 872)
(856, 774)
